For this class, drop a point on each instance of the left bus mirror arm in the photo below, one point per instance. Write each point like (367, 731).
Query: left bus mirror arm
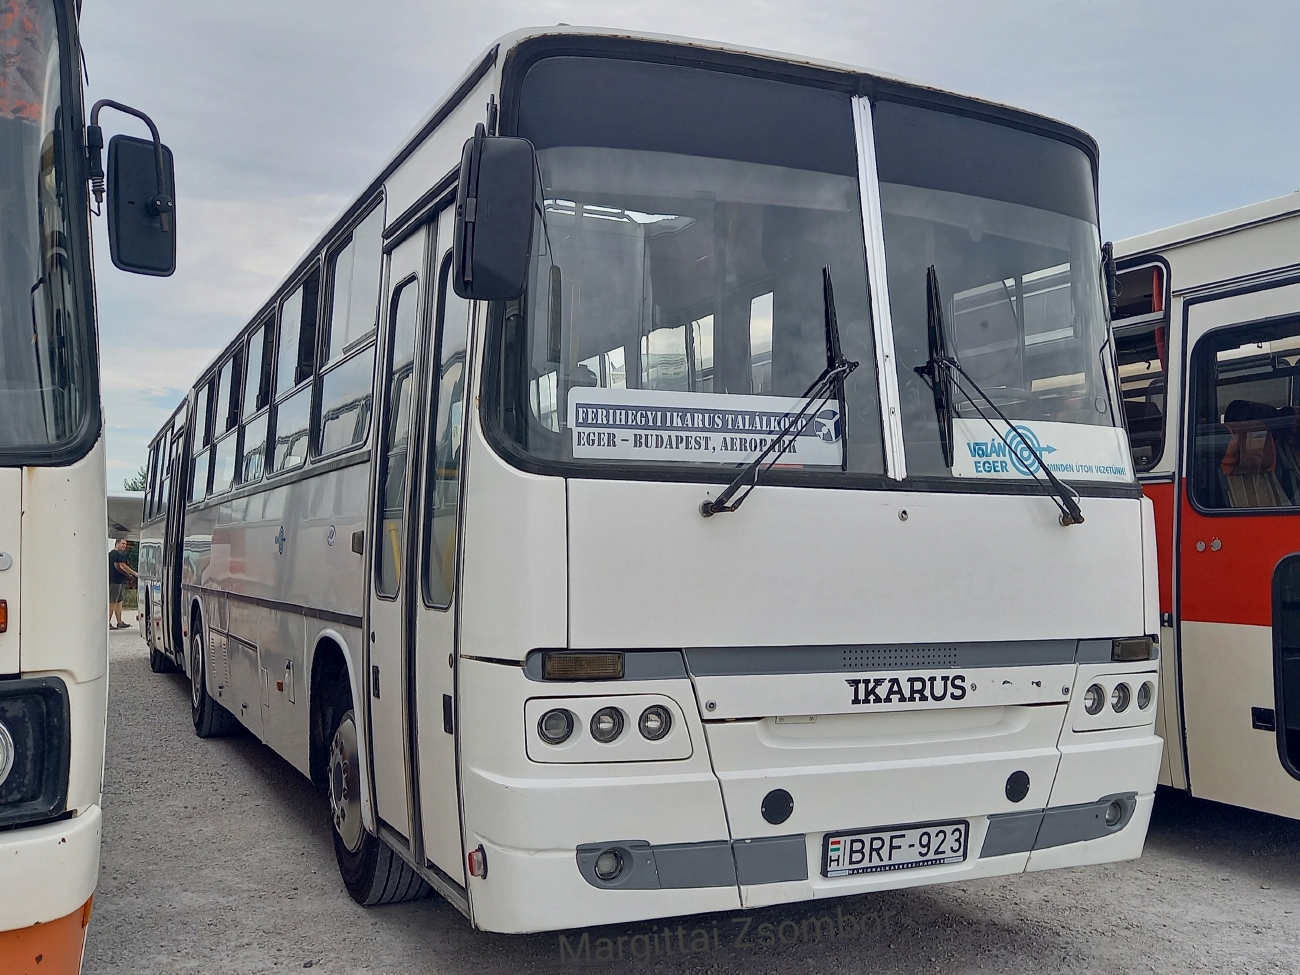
(142, 239)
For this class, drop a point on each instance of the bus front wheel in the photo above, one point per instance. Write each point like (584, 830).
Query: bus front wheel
(372, 872)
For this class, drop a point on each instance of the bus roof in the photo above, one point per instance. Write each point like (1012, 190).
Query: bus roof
(1215, 225)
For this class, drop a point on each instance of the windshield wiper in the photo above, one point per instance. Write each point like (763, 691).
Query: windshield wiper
(933, 370)
(830, 382)
(941, 372)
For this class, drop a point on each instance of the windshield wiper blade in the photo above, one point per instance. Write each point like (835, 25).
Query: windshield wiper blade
(933, 370)
(830, 382)
(942, 371)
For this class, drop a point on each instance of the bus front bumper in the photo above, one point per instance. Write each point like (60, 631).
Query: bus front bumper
(679, 875)
(47, 875)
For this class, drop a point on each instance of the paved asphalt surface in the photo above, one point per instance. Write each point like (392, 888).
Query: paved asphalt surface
(217, 858)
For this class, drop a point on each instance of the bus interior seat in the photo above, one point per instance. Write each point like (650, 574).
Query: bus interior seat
(1250, 460)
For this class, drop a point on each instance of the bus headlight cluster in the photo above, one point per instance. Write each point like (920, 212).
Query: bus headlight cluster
(637, 727)
(1113, 701)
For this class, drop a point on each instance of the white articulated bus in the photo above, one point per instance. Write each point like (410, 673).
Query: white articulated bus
(455, 524)
(1208, 339)
(53, 566)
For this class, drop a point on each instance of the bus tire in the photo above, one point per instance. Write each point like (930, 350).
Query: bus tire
(160, 663)
(211, 720)
(371, 871)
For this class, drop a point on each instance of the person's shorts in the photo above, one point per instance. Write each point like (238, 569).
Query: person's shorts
(116, 592)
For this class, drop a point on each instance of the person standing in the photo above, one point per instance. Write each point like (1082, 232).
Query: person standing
(120, 575)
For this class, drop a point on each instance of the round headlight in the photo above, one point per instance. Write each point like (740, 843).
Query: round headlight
(1093, 699)
(656, 721)
(609, 865)
(555, 726)
(1120, 698)
(1145, 693)
(6, 753)
(1114, 813)
(606, 724)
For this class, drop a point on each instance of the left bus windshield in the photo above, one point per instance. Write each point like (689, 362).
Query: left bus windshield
(43, 344)
(675, 312)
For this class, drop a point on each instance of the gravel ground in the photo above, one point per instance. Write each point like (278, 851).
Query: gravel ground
(217, 858)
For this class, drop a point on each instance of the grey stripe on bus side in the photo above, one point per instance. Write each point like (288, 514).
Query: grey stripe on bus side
(328, 615)
(713, 863)
(1042, 829)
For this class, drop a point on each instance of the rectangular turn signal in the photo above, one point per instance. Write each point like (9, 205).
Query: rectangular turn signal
(570, 665)
(4, 615)
(1133, 648)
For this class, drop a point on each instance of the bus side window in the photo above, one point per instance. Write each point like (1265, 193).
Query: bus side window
(296, 356)
(295, 363)
(1141, 357)
(256, 396)
(442, 480)
(1245, 426)
(355, 277)
(151, 482)
(395, 448)
(1141, 351)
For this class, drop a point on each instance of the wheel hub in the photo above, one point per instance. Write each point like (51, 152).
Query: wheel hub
(196, 669)
(345, 784)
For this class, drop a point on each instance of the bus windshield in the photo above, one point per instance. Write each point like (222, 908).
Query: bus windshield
(1008, 220)
(43, 342)
(675, 312)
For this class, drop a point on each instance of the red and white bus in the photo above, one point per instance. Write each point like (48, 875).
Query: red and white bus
(1208, 340)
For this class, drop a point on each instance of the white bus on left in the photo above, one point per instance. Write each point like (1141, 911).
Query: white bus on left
(53, 569)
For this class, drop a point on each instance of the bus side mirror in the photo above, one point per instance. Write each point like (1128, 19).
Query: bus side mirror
(494, 217)
(141, 207)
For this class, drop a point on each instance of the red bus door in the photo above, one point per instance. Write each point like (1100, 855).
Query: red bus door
(1240, 519)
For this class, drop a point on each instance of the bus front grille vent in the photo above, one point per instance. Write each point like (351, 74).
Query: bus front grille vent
(897, 658)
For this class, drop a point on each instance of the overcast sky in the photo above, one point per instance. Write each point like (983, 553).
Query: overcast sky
(280, 111)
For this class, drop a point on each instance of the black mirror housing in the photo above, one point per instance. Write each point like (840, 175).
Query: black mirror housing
(141, 208)
(494, 217)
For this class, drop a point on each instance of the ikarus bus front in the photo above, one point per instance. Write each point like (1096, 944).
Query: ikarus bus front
(746, 515)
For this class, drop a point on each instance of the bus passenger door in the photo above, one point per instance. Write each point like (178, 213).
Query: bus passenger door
(436, 513)
(1240, 518)
(387, 673)
(177, 488)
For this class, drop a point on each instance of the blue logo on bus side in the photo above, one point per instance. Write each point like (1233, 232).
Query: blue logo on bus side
(992, 456)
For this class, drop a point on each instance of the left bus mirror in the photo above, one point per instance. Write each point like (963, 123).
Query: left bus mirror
(494, 217)
(141, 207)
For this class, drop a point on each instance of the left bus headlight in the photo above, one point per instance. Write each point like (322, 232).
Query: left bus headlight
(35, 750)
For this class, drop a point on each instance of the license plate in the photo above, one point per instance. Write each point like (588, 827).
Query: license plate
(901, 848)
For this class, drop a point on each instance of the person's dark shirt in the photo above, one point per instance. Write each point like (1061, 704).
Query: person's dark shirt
(116, 575)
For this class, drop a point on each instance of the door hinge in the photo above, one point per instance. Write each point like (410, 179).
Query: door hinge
(374, 680)
(448, 724)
